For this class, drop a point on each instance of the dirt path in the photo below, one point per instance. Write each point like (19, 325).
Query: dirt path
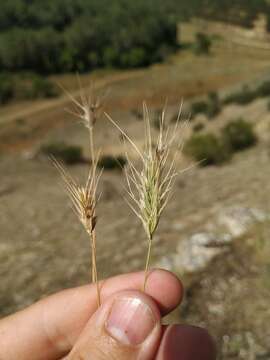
(33, 109)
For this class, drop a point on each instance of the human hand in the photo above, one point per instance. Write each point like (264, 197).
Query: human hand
(127, 326)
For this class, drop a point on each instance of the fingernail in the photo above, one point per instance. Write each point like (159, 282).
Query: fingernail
(130, 321)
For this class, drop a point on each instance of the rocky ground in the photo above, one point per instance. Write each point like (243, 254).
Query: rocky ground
(213, 234)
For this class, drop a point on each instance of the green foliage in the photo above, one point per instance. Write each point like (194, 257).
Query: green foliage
(6, 88)
(69, 154)
(199, 107)
(210, 107)
(63, 35)
(136, 57)
(25, 86)
(42, 87)
(28, 49)
(242, 97)
(263, 90)
(210, 149)
(207, 149)
(33, 86)
(239, 135)
(60, 14)
(202, 44)
(247, 95)
(108, 162)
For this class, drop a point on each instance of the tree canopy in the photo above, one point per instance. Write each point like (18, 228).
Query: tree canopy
(65, 35)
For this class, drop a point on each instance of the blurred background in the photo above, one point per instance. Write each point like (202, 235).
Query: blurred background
(213, 54)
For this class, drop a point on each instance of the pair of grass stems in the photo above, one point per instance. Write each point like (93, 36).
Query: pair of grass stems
(148, 187)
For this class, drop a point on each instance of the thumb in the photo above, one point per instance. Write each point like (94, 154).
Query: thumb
(126, 327)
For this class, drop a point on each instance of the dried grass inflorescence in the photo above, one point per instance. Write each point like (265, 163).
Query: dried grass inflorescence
(149, 186)
(84, 198)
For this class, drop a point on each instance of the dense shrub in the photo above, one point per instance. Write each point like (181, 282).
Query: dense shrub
(242, 97)
(207, 149)
(246, 95)
(210, 107)
(263, 89)
(238, 135)
(108, 162)
(199, 107)
(69, 154)
(202, 44)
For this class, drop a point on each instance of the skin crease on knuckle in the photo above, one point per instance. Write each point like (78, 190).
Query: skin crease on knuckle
(103, 348)
(100, 354)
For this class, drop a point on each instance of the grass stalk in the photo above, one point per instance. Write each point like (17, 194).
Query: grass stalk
(94, 265)
(147, 263)
(84, 197)
(93, 231)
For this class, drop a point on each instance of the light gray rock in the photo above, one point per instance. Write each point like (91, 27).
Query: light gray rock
(195, 252)
(237, 220)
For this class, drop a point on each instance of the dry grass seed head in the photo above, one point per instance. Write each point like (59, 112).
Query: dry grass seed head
(149, 187)
(87, 108)
(83, 198)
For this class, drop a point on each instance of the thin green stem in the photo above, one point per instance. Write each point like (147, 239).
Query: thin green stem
(147, 261)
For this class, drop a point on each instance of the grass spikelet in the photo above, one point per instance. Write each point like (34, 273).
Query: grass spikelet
(84, 198)
(149, 186)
